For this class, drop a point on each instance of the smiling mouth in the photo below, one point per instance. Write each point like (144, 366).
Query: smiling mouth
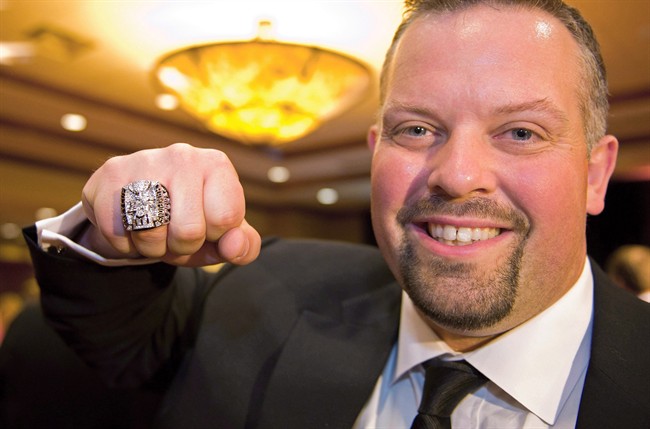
(460, 236)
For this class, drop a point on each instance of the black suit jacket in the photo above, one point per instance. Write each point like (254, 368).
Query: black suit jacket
(295, 340)
(44, 385)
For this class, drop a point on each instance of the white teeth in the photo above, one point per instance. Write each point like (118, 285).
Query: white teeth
(464, 235)
(451, 235)
(485, 234)
(476, 234)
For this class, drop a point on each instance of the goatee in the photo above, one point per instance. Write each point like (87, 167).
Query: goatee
(456, 295)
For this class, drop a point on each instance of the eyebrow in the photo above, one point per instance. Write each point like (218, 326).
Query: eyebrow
(542, 105)
(397, 106)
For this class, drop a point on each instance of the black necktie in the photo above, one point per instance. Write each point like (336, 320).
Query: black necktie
(446, 383)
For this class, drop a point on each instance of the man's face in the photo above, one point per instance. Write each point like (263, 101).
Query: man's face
(480, 177)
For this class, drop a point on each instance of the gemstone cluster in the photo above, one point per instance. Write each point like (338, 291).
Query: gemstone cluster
(145, 204)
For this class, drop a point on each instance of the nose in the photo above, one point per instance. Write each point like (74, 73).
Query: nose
(462, 166)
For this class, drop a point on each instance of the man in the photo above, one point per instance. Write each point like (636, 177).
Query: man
(488, 155)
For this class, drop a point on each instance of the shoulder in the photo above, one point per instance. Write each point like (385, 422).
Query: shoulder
(615, 308)
(332, 262)
(621, 331)
(316, 254)
(308, 269)
(618, 372)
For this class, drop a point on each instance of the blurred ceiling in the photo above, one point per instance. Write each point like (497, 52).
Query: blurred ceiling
(95, 58)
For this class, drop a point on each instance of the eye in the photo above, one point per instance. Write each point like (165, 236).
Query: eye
(413, 135)
(416, 131)
(521, 134)
(522, 137)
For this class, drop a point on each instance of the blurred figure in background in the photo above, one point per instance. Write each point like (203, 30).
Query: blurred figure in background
(629, 268)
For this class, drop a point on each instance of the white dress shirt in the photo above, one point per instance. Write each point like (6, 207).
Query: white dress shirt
(57, 230)
(536, 370)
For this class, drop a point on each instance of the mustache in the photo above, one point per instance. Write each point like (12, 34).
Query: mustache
(479, 207)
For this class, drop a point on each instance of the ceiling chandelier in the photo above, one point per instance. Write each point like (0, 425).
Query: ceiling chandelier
(261, 91)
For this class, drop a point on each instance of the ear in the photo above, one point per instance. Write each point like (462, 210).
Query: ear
(600, 169)
(373, 134)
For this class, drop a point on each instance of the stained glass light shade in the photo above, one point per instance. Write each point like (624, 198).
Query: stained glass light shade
(263, 92)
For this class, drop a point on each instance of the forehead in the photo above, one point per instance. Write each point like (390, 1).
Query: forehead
(511, 43)
(518, 25)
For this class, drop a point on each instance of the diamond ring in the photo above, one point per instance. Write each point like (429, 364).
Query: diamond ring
(145, 204)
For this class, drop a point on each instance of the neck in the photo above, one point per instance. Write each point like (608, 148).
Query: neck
(462, 343)
(457, 341)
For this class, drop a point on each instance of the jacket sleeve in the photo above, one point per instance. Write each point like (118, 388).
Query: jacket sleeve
(129, 323)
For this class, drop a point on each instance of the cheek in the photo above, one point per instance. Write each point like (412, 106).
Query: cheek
(554, 198)
(394, 181)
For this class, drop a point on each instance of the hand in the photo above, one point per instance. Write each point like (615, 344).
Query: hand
(207, 209)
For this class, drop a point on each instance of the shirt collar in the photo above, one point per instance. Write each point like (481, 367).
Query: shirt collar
(537, 363)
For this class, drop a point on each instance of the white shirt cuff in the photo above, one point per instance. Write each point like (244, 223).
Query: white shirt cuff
(56, 231)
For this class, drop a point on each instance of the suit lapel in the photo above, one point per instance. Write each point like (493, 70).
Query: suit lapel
(344, 357)
(616, 388)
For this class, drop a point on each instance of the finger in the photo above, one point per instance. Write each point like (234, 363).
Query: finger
(240, 245)
(186, 233)
(151, 243)
(102, 207)
(206, 255)
(223, 198)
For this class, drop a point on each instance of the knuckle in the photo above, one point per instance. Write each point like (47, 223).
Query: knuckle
(113, 165)
(150, 236)
(218, 157)
(150, 251)
(179, 149)
(227, 219)
(191, 232)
